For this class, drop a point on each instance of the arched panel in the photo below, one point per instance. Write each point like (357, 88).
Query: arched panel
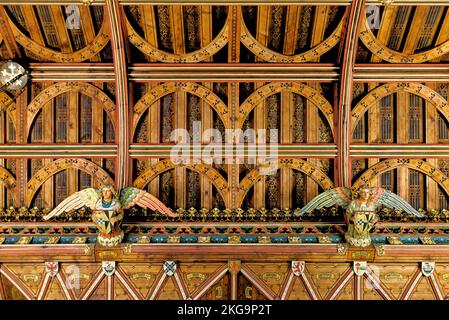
(415, 164)
(271, 56)
(164, 89)
(203, 169)
(61, 164)
(55, 90)
(92, 49)
(7, 179)
(380, 92)
(5, 100)
(308, 168)
(196, 56)
(390, 55)
(303, 90)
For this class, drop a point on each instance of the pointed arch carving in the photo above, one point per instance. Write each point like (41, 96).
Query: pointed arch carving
(203, 169)
(166, 88)
(308, 168)
(61, 164)
(382, 91)
(61, 87)
(307, 92)
(415, 164)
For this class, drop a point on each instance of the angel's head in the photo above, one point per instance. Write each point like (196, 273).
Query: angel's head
(364, 192)
(108, 193)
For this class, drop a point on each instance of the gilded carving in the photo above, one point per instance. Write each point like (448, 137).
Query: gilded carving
(390, 55)
(44, 53)
(196, 56)
(269, 55)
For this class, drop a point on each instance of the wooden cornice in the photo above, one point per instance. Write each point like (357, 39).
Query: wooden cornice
(58, 151)
(226, 2)
(320, 72)
(400, 151)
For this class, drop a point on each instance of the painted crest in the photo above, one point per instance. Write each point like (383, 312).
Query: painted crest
(359, 267)
(427, 268)
(52, 268)
(108, 268)
(298, 267)
(169, 268)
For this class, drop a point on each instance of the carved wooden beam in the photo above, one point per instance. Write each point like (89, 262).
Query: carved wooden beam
(344, 107)
(58, 151)
(400, 151)
(121, 88)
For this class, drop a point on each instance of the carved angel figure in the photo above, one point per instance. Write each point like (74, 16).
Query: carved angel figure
(108, 208)
(360, 208)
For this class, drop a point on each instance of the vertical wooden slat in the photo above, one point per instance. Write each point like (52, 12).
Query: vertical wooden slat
(87, 26)
(402, 129)
(97, 128)
(61, 29)
(385, 27)
(177, 34)
(2, 161)
(312, 115)
(260, 112)
(48, 137)
(205, 13)
(373, 131)
(443, 32)
(72, 137)
(431, 137)
(287, 105)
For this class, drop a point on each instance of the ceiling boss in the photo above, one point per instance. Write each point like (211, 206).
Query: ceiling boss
(108, 209)
(361, 206)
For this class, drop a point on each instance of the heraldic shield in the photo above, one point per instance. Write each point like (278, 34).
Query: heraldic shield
(108, 222)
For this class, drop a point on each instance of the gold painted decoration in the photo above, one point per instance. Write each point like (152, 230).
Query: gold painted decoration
(307, 92)
(7, 179)
(24, 240)
(166, 88)
(203, 169)
(55, 90)
(294, 239)
(61, 164)
(269, 55)
(6, 100)
(296, 164)
(411, 87)
(196, 56)
(44, 53)
(394, 240)
(390, 55)
(415, 164)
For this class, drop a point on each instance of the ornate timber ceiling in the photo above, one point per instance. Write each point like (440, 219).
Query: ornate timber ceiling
(172, 47)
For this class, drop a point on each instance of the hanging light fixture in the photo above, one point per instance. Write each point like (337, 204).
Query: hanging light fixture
(13, 79)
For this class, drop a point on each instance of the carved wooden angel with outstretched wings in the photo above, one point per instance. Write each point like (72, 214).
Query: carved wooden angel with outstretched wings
(108, 207)
(360, 208)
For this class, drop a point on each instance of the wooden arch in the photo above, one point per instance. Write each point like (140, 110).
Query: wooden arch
(93, 48)
(9, 181)
(415, 164)
(307, 92)
(271, 56)
(203, 169)
(166, 88)
(196, 56)
(11, 109)
(55, 90)
(61, 164)
(308, 168)
(382, 91)
(390, 55)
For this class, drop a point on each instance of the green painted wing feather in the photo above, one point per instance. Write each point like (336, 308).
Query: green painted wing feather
(341, 196)
(128, 195)
(392, 200)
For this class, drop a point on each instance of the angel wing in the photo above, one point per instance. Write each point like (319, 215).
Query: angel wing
(391, 200)
(87, 197)
(133, 196)
(341, 196)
